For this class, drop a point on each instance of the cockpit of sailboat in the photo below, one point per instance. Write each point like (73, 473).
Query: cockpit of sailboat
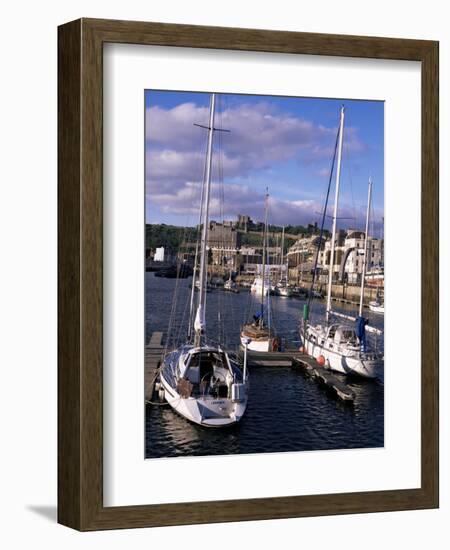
(207, 372)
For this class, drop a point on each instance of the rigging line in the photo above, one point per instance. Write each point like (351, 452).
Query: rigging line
(222, 215)
(322, 225)
(182, 323)
(226, 299)
(230, 299)
(197, 242)
(200, 174)
(218, 243)
(174, 309)
(346, 156)
(175, 305)
(174, 312)
(267, 248)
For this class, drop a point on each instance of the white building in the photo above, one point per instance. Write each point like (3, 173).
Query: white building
(349, 256)
(159, 254)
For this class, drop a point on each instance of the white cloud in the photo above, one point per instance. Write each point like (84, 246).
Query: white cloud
(260, 137)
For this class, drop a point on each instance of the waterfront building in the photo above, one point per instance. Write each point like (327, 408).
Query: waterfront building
(349, 256)
(224, 258)
(223, 235)
(251, 260)
(159, 254)
(245, 223)
(301, 258)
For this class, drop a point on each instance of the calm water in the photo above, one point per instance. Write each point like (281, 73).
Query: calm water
(286, 411)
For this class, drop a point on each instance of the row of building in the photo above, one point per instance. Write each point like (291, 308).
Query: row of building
(227, 253)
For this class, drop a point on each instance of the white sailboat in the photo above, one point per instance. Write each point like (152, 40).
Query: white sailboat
(376, 306)
(200, 381)
(260, 336)
(260, 286)
(282, 288)
(342, 346)
(231, 285)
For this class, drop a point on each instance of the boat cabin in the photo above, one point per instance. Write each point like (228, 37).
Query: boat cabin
(208, 370)
(342, 335)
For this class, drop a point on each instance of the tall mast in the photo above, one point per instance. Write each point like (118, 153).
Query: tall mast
(194, 275)
(266, 204)
(366, 238)
(200, 321)
(282, 251)
(336, 201)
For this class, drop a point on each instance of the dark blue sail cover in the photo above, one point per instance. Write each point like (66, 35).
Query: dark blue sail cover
(361, 323)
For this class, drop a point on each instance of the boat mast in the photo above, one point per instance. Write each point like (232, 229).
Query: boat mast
(336, 200)
(366, 238)
(194, 275)
(263, 287)
(200, 321)
(282, 253)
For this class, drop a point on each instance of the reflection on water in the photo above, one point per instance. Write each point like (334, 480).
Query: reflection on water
(286, 411)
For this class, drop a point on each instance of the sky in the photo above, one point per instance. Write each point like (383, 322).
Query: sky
(284, 144)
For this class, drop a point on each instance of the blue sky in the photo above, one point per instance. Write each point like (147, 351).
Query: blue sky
(282, 143)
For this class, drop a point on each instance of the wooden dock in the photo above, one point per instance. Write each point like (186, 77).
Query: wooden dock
(270, 359)
(289, 357)
(325, 377)
(153, 352)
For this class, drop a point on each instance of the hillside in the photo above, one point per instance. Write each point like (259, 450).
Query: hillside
(172, 236)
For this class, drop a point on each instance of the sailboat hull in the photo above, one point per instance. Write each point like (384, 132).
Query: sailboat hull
(255, 345)
(351, 363)
(258, 288)
(204, 410)
(259, 339)
(283, 292)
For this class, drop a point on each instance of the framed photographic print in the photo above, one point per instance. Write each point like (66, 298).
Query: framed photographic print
(248, 274)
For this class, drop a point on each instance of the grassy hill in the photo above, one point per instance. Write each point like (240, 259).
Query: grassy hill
(172, 236)
(169, 236)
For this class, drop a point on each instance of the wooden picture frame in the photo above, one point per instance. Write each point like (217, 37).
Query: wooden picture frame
(80, 272)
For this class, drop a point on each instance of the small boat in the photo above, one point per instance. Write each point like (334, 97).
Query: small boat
(259, 336)
(299, 292)
(282, 289)
(208, 288)
(200, 380)
(376, 306)
(181, 271)
(260, 287)
(216, 282)
(231, 286)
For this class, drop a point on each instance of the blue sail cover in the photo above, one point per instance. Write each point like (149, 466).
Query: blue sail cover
(361, 323)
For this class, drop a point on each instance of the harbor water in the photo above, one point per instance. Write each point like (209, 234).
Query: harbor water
(286, 411)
